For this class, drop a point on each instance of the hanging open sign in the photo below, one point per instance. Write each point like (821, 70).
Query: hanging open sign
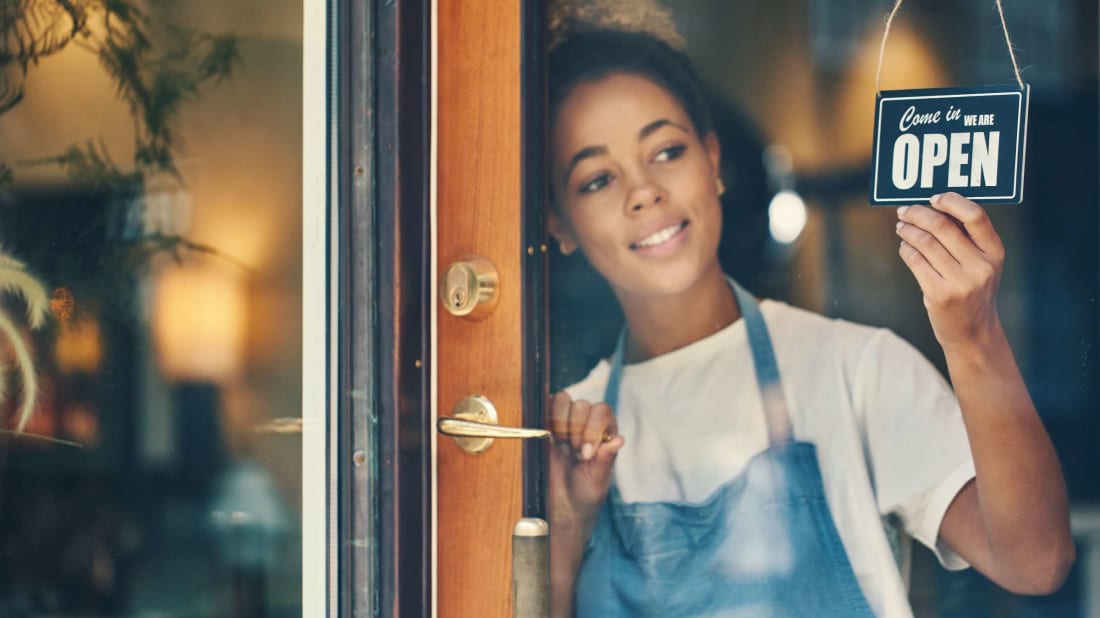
(968, 140)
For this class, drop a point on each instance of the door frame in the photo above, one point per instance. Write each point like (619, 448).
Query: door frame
(358, 577)
(536, 270)
(402, 363)
(318, 342)
(364, 471)
(365, 526)
(396, 68)
(383, 177)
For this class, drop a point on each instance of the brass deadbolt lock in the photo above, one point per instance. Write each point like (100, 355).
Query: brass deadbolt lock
(468, 288)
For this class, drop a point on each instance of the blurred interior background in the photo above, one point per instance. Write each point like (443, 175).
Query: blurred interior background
(150, 179)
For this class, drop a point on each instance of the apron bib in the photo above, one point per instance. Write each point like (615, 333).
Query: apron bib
(762, 545)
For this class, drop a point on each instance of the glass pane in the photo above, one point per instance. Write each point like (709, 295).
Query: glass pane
(150, 308)
(648, 216)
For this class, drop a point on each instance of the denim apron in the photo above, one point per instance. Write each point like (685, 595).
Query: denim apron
(762, 545)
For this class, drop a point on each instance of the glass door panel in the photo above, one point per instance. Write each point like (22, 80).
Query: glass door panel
(151, 284)
(790, 88)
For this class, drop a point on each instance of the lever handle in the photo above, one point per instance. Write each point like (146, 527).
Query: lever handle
(460, 428)
(473, 425)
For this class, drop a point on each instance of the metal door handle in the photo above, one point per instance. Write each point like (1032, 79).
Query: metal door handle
(473, 425)
(460, 428)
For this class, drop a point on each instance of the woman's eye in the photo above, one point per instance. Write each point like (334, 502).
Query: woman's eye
(670, 154)
(595, 184)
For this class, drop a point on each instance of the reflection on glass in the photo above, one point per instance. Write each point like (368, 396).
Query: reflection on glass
(150, 301)
(674, 488)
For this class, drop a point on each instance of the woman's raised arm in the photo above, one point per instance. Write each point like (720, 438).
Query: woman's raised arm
(1012, 521)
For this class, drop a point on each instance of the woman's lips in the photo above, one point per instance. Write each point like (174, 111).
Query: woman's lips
(664, 241)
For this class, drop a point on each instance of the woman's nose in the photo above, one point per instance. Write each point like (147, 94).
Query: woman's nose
(646, 193)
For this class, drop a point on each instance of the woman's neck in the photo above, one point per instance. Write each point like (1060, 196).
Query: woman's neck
(658, 325)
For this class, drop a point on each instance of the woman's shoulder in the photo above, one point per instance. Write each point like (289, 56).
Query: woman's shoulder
(802, 326)
(811, 340)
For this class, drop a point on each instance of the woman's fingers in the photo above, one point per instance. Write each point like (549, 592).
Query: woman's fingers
(930, 249)
(976, 221)
(580, 427)
(559, 416)
(606, 451)
(958, 268)
(600, 427)
(943, 228)
(583, 452)
(927, 278)
(578, 418)
(567, 421)
(947, 237)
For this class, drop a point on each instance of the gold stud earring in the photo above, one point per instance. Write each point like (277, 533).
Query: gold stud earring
(567, 249)
(721, 186)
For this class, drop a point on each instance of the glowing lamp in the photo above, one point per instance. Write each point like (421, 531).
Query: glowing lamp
(786, 216)
(199, 323)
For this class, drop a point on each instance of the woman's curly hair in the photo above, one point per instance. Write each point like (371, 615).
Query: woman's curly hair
(570, 17)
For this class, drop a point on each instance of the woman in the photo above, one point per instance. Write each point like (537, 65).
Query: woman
(736, 457)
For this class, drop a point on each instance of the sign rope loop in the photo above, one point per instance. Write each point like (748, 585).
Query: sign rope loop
(890, 21)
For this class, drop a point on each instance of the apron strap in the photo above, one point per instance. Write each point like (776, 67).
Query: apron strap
(763, 360)
(767, 368)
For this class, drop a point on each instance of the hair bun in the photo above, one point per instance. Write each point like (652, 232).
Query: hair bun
(570, 17)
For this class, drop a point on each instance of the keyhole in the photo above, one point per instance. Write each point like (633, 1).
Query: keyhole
(468, 288)
(458, 297)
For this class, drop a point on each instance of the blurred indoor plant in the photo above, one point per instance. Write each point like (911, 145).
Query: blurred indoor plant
(16, 281)
(156, 66)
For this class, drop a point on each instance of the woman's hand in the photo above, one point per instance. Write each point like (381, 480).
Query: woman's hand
(956, 256)
(582, 454)
(1012, 522)
(583, 451)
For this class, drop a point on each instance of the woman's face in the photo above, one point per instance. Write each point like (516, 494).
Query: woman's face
(635, 186)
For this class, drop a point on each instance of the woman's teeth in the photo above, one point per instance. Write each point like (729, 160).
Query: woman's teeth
(660, 237)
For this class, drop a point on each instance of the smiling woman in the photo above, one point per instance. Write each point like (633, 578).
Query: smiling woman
(736, 454)
(650, 154)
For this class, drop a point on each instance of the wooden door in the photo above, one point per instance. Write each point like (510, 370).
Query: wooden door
(481, 190)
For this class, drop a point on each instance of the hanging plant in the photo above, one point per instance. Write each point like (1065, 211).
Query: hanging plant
(16, 281)
(156, 66)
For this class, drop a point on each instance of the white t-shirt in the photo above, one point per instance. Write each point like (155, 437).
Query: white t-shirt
(889, 432)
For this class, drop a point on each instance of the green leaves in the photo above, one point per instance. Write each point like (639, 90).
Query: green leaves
(222, 55)
(89, 166)
(31, 30)
(34, 29)
(156, 65)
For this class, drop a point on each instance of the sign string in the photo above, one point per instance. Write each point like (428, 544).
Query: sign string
(886, 33)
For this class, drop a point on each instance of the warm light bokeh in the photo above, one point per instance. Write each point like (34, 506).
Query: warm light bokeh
(199, 322)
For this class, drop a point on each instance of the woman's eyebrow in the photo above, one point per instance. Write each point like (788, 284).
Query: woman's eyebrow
(657, 124)
(582, 154)
(595, 151)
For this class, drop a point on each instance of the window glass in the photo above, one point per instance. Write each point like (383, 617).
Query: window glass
(150, 308)
(791, 89)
